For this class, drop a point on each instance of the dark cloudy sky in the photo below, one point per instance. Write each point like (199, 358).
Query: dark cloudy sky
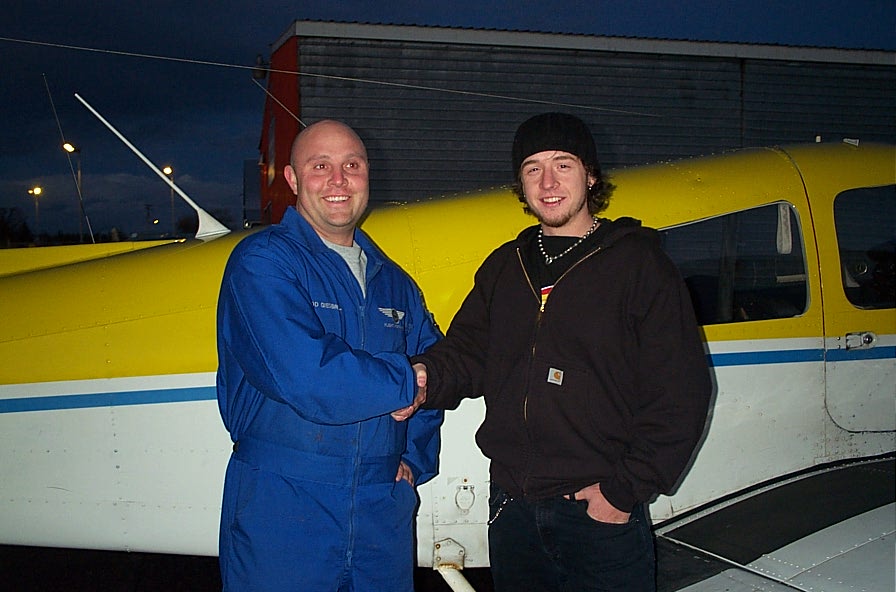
(204, 120)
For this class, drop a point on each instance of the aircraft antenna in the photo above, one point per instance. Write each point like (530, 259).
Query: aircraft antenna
(75, 176)
(209, 227)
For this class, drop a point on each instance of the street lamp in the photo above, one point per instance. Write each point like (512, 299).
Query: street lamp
(36, 191)
(169, 172)
(72, 149)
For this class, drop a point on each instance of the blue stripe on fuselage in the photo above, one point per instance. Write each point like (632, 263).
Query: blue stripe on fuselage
(207, 393)
(756, 358)
(58, 402)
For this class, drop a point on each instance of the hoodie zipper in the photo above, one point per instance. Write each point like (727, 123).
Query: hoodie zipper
(542, 303)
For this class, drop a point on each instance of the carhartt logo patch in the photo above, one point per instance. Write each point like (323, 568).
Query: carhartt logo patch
(555, 376)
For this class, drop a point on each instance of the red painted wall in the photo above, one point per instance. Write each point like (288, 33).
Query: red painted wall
(279, 127)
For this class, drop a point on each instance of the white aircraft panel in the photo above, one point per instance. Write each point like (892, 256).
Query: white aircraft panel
(735, 580)
(856, 554)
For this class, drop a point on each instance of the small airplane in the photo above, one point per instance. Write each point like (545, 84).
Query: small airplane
(108, 416)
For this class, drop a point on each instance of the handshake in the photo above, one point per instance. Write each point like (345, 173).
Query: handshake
(406, 412)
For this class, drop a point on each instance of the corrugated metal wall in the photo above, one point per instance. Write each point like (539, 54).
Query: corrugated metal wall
(442, 119)
(791, 101)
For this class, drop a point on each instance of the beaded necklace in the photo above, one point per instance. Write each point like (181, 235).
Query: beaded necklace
(548, 259)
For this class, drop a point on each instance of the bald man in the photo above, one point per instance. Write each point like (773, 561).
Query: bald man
(315, 329)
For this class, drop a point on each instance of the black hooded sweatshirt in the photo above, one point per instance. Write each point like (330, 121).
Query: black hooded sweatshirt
(604, 380)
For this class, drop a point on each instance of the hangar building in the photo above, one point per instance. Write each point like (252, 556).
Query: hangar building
(437, 107)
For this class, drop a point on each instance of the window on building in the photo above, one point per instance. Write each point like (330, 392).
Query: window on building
(865, 219)
(743, 266)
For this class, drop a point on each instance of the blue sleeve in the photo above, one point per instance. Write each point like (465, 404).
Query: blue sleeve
(422, 452)
(268, 328)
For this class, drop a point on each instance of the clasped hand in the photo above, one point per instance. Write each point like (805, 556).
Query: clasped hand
(419, 399)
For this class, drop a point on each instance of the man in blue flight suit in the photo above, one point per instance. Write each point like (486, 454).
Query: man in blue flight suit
(315, 327)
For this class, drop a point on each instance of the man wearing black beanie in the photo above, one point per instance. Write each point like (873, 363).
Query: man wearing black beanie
(581, 336)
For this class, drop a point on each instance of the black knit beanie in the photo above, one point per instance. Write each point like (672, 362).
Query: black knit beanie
(554, 131)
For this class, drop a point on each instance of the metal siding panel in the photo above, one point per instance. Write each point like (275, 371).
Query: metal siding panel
(790, 102)
(439, 118)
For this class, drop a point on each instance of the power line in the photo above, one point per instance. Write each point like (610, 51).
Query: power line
(255, 68)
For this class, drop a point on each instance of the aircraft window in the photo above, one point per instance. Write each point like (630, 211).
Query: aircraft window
(743, 266)
(865, 219)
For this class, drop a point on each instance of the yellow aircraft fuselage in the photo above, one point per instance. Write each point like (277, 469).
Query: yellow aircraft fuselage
(111, 437)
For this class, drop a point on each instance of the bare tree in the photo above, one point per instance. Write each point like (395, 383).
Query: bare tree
(14, 229)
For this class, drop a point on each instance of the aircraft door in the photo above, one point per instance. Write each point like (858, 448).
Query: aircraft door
(860, 320)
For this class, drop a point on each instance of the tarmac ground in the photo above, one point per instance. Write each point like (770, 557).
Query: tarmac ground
(42, 569)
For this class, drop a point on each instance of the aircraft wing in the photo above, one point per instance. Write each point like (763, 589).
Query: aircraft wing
(13, 261)
(830, 530)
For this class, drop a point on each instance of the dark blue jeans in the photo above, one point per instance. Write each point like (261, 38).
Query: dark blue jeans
(553, 545)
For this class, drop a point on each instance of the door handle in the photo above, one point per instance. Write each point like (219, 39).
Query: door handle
(860, 340)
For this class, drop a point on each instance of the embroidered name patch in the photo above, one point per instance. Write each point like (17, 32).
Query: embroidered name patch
(330, 305)
(555, 376)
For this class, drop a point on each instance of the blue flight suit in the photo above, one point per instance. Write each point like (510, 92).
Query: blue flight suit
(309, 370)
